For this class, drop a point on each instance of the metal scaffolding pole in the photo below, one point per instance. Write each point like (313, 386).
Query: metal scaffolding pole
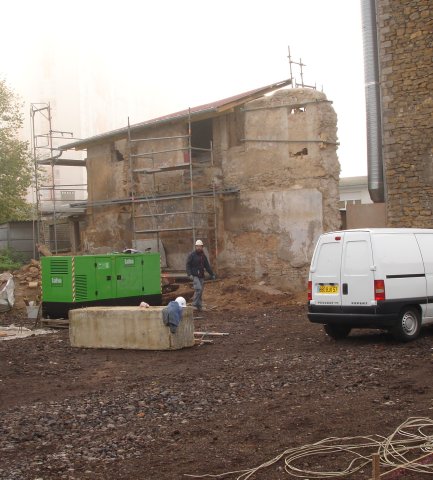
(43, 153)
(200, 217)
(53, 181)
(191, 177)
(36, 228)
(131, 185)
(300, 65)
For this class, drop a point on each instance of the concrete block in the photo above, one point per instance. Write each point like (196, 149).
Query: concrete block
(128, 328)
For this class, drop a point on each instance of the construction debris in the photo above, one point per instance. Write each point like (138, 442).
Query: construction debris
(199, 337)
(43, 250)
(212, 334)
(29, 274)
(18, 331)
(201, 341)
(7, 287)
(54, 322)
(27, 285)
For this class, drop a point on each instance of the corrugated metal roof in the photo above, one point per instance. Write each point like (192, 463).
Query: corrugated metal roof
(206, 110)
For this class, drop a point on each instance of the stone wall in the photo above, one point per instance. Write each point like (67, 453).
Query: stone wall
(107, 228)
(405, 29)
(110, 227)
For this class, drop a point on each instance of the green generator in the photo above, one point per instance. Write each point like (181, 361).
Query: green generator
(92, 280)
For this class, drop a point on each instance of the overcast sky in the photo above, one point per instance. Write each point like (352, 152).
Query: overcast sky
(100, 62)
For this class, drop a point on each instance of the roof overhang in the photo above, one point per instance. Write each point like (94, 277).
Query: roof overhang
(196, 113)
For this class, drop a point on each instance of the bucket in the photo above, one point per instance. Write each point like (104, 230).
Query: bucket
(32, 311)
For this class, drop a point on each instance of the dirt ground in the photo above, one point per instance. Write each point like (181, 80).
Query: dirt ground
(275, 382)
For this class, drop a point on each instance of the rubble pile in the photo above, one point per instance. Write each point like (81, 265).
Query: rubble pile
(27, 284)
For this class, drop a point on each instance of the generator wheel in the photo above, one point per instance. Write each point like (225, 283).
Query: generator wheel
(408, 326)
(337, 332)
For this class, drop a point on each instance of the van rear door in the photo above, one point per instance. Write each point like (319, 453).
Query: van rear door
(325, 270)
(357, 270)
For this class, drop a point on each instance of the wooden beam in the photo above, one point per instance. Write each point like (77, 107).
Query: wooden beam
(375, 463)
(211, 334)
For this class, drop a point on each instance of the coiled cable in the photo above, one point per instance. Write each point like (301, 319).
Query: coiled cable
(400, 449)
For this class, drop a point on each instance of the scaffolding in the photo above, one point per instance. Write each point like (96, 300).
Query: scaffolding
(160, 211)
(295, 84)
(45, 149)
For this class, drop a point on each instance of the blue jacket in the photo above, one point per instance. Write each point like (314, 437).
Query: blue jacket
(172, 315)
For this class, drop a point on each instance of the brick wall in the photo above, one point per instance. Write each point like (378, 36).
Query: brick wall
(406, 69)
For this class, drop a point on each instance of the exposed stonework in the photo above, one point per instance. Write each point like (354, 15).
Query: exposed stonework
(405, 30)
(287, 171)
(279, 151)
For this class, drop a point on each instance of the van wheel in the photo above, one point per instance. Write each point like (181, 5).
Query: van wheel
(337, 332)
(409, 325)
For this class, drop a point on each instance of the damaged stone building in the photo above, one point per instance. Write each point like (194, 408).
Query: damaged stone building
(255, 176)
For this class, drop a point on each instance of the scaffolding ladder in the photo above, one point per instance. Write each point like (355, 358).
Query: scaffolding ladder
(155, 212)
(46, 154)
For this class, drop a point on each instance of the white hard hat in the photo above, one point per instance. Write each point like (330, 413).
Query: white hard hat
(181, 301)
(199, 242)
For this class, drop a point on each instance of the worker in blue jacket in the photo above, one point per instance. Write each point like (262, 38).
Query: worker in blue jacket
(196, 264)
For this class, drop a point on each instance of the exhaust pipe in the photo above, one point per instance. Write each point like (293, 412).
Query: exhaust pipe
(373, 102)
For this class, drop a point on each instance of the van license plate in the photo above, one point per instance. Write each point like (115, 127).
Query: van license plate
(330, 289)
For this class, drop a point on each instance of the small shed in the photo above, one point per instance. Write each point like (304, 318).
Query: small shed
(18, 236)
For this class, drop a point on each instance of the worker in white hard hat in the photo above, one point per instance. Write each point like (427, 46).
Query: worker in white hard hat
(172, 313)
(196, 264)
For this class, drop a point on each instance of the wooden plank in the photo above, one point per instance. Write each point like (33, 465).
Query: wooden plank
(375, 461)
(54, 323)
(200, 341)
(212, 334)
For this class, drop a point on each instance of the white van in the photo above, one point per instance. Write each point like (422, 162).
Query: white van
(372, 278)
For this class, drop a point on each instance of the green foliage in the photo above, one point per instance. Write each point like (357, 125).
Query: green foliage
(15, 164)
(10, 259)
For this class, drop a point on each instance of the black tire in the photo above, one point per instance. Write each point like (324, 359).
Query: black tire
(408, 326)
(337, 332)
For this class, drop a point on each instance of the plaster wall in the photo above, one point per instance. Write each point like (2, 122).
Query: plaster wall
(287, 170)
(270, 235)
(107, 228)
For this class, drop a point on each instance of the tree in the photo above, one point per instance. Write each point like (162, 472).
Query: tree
(15, 164)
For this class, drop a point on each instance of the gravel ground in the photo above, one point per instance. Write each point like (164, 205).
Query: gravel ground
(275, 382)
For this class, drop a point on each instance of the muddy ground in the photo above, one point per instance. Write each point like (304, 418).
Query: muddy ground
(276, 382)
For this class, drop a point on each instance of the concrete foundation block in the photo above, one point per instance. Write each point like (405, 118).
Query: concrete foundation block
(128, 328)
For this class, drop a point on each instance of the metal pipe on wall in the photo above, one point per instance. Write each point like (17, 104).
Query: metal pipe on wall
(373, 102)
